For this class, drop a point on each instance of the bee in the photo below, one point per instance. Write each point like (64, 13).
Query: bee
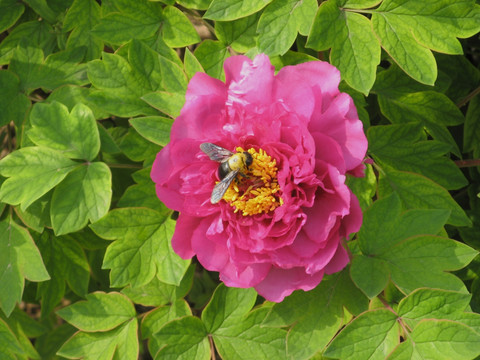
(231, 165)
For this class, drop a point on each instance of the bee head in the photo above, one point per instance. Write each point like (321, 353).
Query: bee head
(248, 158)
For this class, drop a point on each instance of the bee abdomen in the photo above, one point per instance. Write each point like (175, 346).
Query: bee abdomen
(223, 170)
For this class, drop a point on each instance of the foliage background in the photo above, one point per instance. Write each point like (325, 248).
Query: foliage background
(88, 91)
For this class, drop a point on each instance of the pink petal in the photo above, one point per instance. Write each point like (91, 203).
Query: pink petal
(338, 262)
(182, 237)
(245, 277)
(340, 122)
(320, 76)
(210, 246)
(249, 82)
(202, 114)
(280, 283)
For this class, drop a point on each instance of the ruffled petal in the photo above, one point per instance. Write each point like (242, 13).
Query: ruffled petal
(280, 283)
(249, 82)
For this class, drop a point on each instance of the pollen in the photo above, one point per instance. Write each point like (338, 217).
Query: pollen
(257, 191)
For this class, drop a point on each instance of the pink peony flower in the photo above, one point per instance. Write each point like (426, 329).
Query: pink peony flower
(279, 227)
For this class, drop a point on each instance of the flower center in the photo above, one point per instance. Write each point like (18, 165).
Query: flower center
(258, 191)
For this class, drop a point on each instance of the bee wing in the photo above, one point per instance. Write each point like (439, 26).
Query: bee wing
(215, 152)
(222, 186)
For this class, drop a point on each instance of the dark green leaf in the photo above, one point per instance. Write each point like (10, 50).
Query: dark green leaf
(14, 104)
(404, 147)
(408, 30)
(81, 17)
(19, 259)
(418, 192)
(11, 10)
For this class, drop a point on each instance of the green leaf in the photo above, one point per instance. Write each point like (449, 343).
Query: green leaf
(316, 315)
(121, 342)
(14, 105)
(11, 10)
(174, 79)
(432, 196)
(120, 85)
(37, 216)
(227, 306)
(142, 248)
(225, 10)
(365, 187)
(184, 339)
(178, 31)
(246, 338)
(74, 134)
(211, 55)
(355, 49)
(39, 34)
(404, 147)
(433, 304)
(57, 69)
(84, 195)
(65, 258)
(240, 35)
(195, 4)
(376, 343)
(9, 344)
(100, 312)
(192, 65)
(32, 172)
(81, 17)
(166, 102)
(71, 95)
(431, 109)
(421, 261)
(138, 20)
(281, 21)
(408, 30)
(48, 344)
(439, 339)
(142, 195)
(471, 131)
(157, 293)
(385, 224)
(155, 319)
(136, 148)
(153, 128)
(19, 259)
(399, 245)
(370, 274)
(43, 9)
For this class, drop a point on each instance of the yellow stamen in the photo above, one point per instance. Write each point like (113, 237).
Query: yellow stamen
(259, 191)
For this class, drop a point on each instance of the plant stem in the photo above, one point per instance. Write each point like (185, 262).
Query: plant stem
(467, 163)
(469, 97)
